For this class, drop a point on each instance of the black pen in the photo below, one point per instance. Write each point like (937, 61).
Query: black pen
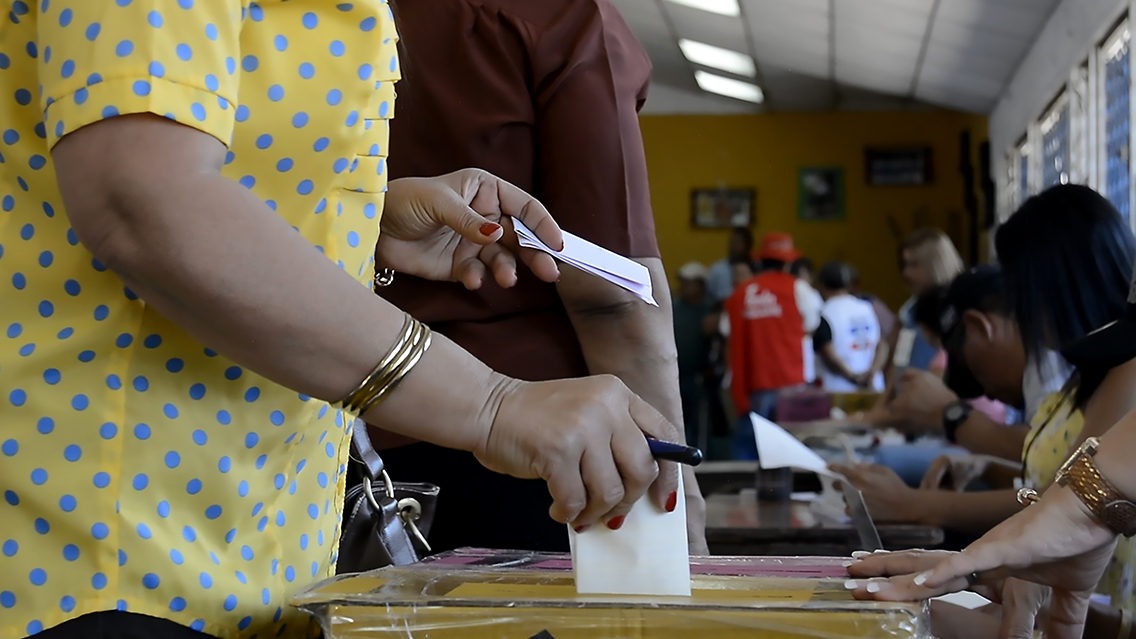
(688, 455)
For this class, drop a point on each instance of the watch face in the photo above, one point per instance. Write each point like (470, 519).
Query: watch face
(955, 412)
(1120, 516)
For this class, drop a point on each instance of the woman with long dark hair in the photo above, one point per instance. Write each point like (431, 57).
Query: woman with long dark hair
(1067, 256)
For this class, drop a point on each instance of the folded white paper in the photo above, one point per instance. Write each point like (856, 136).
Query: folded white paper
(596, 260)
(776, 448)
(647, 556)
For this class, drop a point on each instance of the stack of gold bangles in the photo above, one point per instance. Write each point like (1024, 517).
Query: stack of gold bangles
(378, 385)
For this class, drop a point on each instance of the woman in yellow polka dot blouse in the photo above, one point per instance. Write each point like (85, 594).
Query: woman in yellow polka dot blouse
(191, 199)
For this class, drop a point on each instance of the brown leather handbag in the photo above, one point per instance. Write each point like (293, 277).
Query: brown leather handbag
(384, 523)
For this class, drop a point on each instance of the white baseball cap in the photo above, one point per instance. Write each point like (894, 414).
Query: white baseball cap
(693, 271)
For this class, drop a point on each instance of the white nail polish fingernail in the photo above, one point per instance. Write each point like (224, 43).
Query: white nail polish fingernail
(873, 587)
(851, 584)
(881, 551)
(860, 554)
(920, 579)
(848, 563)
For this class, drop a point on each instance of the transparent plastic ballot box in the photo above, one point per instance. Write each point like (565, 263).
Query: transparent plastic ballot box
(489, 594)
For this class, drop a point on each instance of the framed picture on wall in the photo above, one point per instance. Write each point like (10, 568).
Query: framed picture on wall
(722, 208)
(898, 166)
(821, 193)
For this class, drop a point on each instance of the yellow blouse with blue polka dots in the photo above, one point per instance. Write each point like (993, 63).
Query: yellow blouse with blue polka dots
(140, 470)
(1055, 429)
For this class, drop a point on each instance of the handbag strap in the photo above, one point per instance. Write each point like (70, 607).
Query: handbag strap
(367, 456)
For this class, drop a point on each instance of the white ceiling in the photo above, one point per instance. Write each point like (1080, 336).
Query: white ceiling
(821, 55)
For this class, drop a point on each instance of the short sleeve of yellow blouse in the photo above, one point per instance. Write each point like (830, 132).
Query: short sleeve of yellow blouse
(175, 58)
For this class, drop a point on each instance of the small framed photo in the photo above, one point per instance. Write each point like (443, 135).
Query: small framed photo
(722, 208)
(821, 193)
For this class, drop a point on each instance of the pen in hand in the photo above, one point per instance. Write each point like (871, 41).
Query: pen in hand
(688, 455)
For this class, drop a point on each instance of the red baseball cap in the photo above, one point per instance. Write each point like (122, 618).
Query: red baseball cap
(778, 246)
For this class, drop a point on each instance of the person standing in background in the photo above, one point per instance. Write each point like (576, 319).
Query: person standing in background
(770, 317)
(928, 259)
(884, 315)
(545, 95)
(720, 282)
(693, 325)
(802, 269)
(848, 339)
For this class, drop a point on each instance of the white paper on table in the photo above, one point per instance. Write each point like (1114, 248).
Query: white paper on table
(965, 599)
(647, 556)
(776, 448)
(596, 260)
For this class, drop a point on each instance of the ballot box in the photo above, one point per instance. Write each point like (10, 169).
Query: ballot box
(488, 594)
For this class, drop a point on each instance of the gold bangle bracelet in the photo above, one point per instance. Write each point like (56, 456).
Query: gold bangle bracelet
(390, 367)
(406, 352)
(344, 403)
(412, 360)
(381, 376)
(1125, 625)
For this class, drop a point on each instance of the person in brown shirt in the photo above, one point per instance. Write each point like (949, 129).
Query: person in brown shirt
(546, 95)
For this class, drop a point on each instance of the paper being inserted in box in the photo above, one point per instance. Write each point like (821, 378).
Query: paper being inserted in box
(648, 555)
(596, 260)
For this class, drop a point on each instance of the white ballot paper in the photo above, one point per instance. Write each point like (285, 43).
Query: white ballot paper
(776, 448)
(596, 260)
(647, 556)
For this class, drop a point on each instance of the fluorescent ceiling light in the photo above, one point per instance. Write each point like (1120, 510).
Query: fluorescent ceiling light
(729, 87)
(723, 7)
(709, 55)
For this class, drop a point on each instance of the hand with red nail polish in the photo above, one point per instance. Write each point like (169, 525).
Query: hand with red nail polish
(585, 438)
(457, 228)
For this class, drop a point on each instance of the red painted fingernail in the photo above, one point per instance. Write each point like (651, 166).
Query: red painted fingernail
(561, 245)
(489, 228)
(616, 522)
(580, 529)
(672, 502)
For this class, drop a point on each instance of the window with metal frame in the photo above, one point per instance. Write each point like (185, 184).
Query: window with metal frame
(1055, 143)
(1023, 162)
(1116, 89)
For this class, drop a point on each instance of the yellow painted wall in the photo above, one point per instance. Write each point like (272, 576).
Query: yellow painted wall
(765, 152)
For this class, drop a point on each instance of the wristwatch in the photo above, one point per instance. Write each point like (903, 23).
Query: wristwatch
(955, 415)
(1081, 475)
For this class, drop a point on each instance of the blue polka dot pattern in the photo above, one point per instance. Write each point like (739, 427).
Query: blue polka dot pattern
(121, 423)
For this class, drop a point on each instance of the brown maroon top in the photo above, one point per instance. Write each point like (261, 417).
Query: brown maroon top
(545, 94)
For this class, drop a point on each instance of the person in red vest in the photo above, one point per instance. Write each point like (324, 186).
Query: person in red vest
(771, 318)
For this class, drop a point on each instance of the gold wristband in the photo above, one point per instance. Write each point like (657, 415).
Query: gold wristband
(1125, 625)
(408, 349)
(406, 357)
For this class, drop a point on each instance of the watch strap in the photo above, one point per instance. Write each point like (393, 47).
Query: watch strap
(1098, 494)
(951, 425)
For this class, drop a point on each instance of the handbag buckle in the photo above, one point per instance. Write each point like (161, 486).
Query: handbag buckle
(408, 509)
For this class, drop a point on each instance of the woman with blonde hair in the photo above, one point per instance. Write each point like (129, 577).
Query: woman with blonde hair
(927, 259)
